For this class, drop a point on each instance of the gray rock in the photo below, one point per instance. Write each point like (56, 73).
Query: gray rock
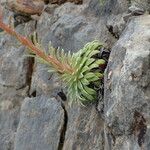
(14, 83)
(10, 103)
(84, 129)
(44, 82)
(134, 10)
(138, 7)
(116, 24)
(41, 124)
(44, 122)
(127, 82)
(15, 66)
(115, 7)
(71, 26)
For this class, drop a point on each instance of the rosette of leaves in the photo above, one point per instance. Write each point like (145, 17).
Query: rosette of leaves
(78, 83)
(83, 74)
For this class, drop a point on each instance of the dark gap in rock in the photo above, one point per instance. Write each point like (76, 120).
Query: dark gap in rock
(8, 86)
(35, 26)
(62, 95)
(104, 54)
(110, 29)
(139, 127)
(110, 136)
(1, 30)
(31, 62)
(33, 94)
(129, 2)
(46, 2)
(10, 145)
(59, 2)
(20, 19)
(63, 130)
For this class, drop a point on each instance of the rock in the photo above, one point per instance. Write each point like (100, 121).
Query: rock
(127, 82)
(139, 7)
(44, 122)
(10, 103)
(44, 82)
(41, 124)
(15, 78)
(15, 67)
(115, 7)
(84, 129)
(26, 7)
(70, 28)
(134, 10)
(116, 25)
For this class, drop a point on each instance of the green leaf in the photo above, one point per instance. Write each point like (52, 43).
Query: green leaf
(100, 61)
(84, 92)
(99, 75)
(84, 69)
(89, 75)
(93, 79)
(84, 81)
(89, 61)
(92, 66)
(93, 53)
(90, 90)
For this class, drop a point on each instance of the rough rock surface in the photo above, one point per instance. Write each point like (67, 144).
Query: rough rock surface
(14, 84)
(44, 122)
(84, 129)
(41, 124)
(127, 87)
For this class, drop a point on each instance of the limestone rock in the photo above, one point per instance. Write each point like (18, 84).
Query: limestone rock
(84, 129)
(10, 103)
(139, 6)
(116, 25)
(127, 85)
(15, 66)
(14, 84)
(41, 124)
